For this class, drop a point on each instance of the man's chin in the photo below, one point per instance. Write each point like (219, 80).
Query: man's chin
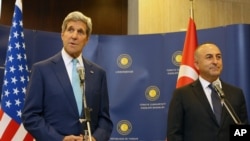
(215, 75)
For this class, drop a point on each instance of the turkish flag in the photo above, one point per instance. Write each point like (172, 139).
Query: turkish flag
(187, 71)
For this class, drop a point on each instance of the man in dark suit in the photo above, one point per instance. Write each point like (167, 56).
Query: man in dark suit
(50, 111)
(191, 112)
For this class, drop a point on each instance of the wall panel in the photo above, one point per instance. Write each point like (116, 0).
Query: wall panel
(108, 16)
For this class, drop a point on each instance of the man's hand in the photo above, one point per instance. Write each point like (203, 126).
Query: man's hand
(73, 138)
(86, 138)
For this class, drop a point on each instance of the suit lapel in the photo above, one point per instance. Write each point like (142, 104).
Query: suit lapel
(63, 78)
(92, 78)
(88, 72)
(224, 110)
(200, 94)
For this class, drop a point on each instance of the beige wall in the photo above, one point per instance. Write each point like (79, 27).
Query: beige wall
(161, 16)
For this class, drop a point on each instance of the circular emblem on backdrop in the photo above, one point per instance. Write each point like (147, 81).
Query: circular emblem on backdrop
(124, 127)
(176, 58)
(152, 93)
(124, 61)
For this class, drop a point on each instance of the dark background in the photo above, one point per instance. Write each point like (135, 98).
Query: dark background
(108, 16)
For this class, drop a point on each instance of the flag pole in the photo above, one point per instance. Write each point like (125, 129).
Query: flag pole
(191, 9)
(0, 8)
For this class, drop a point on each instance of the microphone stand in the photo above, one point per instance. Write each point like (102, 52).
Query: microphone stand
(229, 107)
(86, 109)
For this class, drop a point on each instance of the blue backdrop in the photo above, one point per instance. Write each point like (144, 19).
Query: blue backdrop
(142, 71)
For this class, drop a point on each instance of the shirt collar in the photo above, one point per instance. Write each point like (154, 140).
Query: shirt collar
(67, 58)
(205, 83)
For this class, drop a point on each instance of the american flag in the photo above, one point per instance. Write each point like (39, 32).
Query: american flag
(16, 77)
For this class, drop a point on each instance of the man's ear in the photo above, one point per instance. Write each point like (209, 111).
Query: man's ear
(196, 65)
(61, 34)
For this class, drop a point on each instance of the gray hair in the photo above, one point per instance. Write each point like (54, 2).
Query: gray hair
(77, 16)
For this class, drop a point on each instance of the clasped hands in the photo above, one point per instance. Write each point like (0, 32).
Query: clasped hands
(78, 138)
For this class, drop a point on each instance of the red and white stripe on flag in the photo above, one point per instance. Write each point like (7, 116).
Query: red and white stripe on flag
(15, 80)
(187, 70)
(11, 130)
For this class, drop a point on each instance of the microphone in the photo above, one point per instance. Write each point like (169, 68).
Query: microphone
(81, 73)
(226, 103)
(216, 86)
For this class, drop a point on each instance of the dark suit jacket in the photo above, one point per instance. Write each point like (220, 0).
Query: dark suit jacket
(50, 110)
(190, 117)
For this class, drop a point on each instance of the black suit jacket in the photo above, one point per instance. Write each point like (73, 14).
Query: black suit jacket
(190, 117)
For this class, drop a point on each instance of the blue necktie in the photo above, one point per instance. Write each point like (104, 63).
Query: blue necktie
(76, 86)
(216, 103)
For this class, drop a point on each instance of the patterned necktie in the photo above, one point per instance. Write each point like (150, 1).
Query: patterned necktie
(216, 103)
(76, 86)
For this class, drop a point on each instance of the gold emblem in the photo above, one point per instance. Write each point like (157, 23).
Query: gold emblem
(124, 127)
(152, 93)
(124, 61)
(176, 58)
